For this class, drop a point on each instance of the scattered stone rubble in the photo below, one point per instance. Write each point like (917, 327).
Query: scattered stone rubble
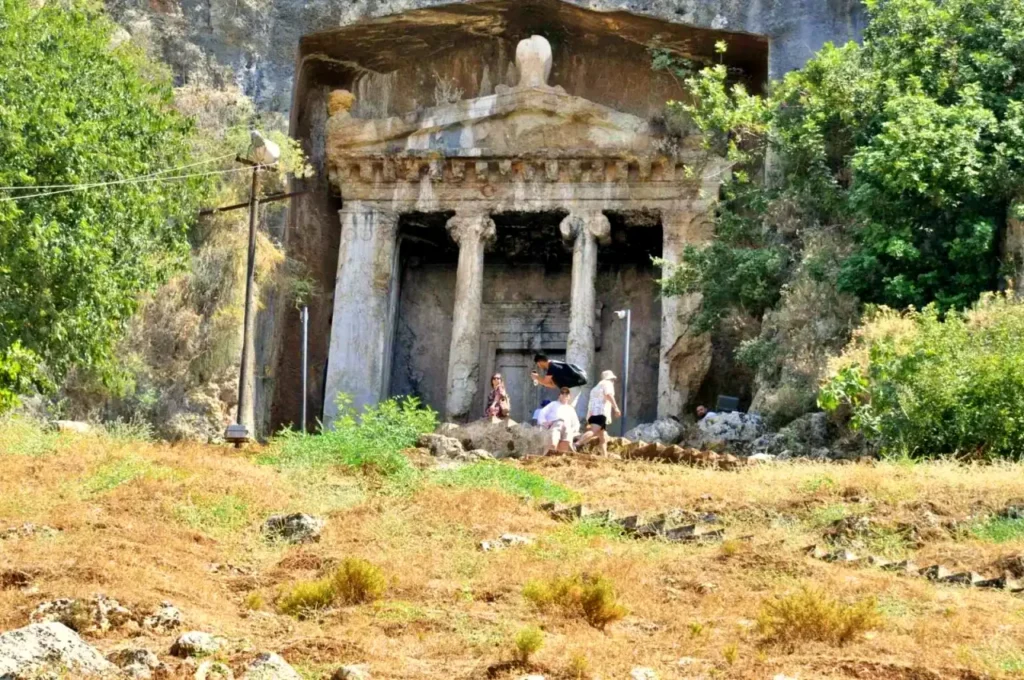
(295, 528)
(675, 527)
(445, 447)
(31, 651)
(27, 530)
(935, 572)
(100, 614)
(138, 663)
(505, 541)
(732, 430)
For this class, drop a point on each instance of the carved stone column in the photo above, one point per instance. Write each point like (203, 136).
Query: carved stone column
(585, 230)
(362, 324)
(473, 232)
(685, 358)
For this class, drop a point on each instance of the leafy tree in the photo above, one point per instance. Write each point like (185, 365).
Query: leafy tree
(911, 146)
(77, 107)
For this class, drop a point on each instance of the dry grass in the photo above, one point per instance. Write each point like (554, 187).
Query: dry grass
(145, 522)
(810, 615)
(588, 596)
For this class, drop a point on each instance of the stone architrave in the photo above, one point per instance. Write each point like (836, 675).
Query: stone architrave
(362, 323)
(473, 232)
(585, 230)
(685, 357)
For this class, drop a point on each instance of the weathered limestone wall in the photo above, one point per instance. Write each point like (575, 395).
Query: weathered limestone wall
(253, 42)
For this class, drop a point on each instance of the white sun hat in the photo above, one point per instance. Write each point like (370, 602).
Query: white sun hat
(608, 375)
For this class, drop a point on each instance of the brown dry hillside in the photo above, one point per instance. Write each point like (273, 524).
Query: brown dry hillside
(145, 522)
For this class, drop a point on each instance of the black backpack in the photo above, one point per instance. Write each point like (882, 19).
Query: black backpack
(577, 377)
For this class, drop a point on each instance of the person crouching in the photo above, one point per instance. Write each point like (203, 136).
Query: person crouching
(560, 419)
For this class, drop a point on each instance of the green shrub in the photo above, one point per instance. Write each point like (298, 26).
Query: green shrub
(356, 581)
(512, 480)
(589, 596)
(307, 597)
(922, 385)
(371, 442)
(812, 616)
(527, 642)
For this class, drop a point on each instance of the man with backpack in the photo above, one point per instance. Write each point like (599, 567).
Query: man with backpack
(559, 374)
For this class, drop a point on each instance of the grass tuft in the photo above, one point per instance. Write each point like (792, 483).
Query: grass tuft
(306, 598)
(119, 471)
(998, 529)
(812, 616)
(589, 596)
(503, 477)
(25, 437)
(213, 513)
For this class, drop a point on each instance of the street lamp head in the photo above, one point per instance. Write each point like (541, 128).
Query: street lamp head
(621, 314)
(262, 150)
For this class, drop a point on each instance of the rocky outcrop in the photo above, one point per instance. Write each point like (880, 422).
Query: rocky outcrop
(196, 644)
(504, 439)
(664, 431)
(31, 651)
(352, 672)
(138, 663)
(732, 431)
(92, 615)
(295, 528)
(269, 666)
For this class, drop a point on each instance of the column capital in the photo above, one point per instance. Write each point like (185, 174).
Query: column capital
(466, 227)
(594, 223)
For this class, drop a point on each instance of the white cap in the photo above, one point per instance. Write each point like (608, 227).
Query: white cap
(608, 375)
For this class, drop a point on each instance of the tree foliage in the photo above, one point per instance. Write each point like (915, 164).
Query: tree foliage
(921, 385)
(77, 107)
(910, 145)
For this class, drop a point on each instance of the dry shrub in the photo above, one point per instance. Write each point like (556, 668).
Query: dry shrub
(812, 616)
(356, 581)
(589, 596)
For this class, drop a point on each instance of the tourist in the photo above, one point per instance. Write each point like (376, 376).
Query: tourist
(599, 411)
(558, 374)
(560, 418)
(703, 412)
(537, 411)
(498, 404)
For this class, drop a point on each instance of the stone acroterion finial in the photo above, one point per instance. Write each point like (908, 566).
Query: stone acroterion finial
(533, 59)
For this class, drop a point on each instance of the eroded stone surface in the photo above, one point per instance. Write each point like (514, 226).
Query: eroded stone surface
(30, 651)
(196, 644)
(269, 666)
(295, 528)
(85, 615)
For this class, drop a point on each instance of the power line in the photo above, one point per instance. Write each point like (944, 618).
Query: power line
(134, 180)
(83, 184)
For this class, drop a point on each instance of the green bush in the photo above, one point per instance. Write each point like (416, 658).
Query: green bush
(922, 385)
(356, 581)
(371, 442)
(527, 642)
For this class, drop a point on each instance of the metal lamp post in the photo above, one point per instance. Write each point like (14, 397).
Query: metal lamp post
(627, 315)
(262, 152)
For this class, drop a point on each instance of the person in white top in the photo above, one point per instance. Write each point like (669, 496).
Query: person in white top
(599, 411)
(560, 418)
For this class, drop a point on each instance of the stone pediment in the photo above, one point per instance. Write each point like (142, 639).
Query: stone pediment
(524, 122)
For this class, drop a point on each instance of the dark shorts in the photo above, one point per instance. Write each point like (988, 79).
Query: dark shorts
(600, 421)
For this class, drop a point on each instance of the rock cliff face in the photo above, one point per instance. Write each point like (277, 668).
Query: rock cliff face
(401, 56)
(254, 43)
